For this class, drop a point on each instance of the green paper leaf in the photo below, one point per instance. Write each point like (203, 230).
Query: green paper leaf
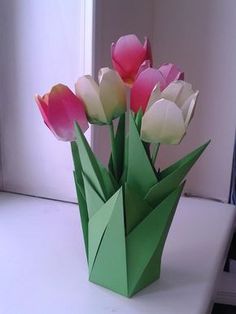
(97, 174)
(140, 174)
(171, 177)
(110, 269)
(123, 178)
(97, 227)
(136, 209)
(119, 148)
(111, 185)
(138, 119)
(94, 201)
(145, 243)
(89, 162)
(83, 213)
(78, 166)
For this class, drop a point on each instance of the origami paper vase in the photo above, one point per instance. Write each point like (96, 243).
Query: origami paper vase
(126, 263)
(125, 223)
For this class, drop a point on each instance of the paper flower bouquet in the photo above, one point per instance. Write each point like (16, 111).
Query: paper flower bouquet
(127, 207)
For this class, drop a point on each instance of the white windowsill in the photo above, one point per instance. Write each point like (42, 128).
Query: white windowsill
(43, 265)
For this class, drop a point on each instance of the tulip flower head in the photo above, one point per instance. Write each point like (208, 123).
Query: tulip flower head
(147, 80)
(169, 113)
(103, 102)
(60, 108)
(128, 54)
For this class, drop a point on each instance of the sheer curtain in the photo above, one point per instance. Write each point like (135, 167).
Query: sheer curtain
(43, 43)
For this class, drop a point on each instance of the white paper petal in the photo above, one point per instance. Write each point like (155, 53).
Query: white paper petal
(188, 108)
(163, 123)
(112, 94)
(155, 96)
(88, 90)
(101, 72)
(178, 92)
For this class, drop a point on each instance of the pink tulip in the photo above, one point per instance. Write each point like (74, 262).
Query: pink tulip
(171, 72)
(128, 54)
(60, 108)
(147, 80)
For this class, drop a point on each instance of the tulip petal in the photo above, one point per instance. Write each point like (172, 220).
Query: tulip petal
(147, 47)
(42, 103)
(189, 107)
(143, 86)
(155, 96)
(178, 92)
(145, 65)
(163, 123)
(64, 108)
(128, 53)
(88, 90)
(112, 93)
(171, 73)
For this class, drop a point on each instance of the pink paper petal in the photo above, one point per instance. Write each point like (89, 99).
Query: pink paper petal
(143, 86)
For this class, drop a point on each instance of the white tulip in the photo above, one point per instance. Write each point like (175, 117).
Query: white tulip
(103, 102)
(168, 113)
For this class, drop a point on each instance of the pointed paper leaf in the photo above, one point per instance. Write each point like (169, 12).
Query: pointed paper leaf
(140, 174)
(83, 213)
(89, 162)
(138, 119)
(171, 177)
(124, 174)
(97, 174)
(146, 240)
(94, 201)
(97, 227)
(110, 269)
(136, 209)
(78, 166)
(109, 181)
(191, 157)
(119, 145)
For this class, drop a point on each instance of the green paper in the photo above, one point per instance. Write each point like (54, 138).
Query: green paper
(94, 201)
(136, 209)
(140, 174)
(111, 185)
(191, 157)
(91, 167)
(138, 119)
(171, 177)
(125, 227)
(97, 227)
(89, 163)
(83, 213)
(110, 269)
(78, 166)
(145, 243)
(119, 148)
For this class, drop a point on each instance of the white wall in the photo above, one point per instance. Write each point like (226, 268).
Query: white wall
(200, 37)
(42, 44)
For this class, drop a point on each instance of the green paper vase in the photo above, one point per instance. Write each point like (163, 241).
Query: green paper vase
(126, 220)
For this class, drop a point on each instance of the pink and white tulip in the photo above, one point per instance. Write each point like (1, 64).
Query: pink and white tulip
(103, 102)
(60, 108)
(147, 80)
(169, 113)
(128, 54)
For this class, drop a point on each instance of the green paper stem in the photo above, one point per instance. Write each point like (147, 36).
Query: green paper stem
(113, 149)
(138, 119)
(155, 152)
